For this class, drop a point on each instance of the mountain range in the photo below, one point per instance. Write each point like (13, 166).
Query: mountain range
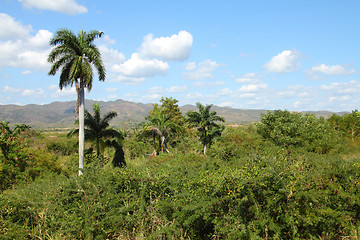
(61, 114)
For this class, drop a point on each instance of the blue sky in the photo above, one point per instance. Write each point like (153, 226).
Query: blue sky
(295, 55)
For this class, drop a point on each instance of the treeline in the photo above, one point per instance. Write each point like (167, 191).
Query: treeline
(289, 176)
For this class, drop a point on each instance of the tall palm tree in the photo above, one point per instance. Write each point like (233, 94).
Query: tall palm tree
(76, 55)
(97, 130)
(205, 121)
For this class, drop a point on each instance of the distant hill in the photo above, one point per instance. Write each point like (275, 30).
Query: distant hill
(61, 114)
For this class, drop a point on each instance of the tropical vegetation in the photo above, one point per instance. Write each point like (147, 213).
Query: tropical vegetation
(98, 131)
(289, 176)
(205, 121)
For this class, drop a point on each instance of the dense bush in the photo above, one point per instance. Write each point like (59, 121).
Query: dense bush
(14, 159)
(294, 129)
(267, 192)
(245, 188)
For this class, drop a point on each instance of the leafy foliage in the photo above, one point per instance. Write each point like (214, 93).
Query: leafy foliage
(205, 121)
(293, 129)
(348, 124)
(98, 131)
(244, 188)
(166, 123)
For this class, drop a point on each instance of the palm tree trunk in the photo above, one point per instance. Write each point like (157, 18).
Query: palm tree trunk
(81, 127)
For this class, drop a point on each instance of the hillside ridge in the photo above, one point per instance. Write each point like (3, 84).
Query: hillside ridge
(61, 114)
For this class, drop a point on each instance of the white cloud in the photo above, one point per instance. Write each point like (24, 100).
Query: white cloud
(65, 92)
(106, 40)
(203, 71)
(201, 84)
(22, 49)
(225, 92)
(177, 89)
(41, 40)
(64, 6)
(249, 78)
(110, 89)
(194, 95)
(190, 66)
(226, 104)
(53, 87)
(112, 97)
(331, 70)
(126, 80)
(247, 95)
(352, 87)
(33, 93)
(26, 72)
(138, 67)
(155, 90)
(150, 98)
(340, 98)
(8, 89)
(253, 87)
(176, 47)
(11, 29)
(286, 61)
(111, 57)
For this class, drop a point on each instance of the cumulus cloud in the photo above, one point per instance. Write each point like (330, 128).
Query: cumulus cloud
(149, 61)
(8, 89)
(177, 89)
(176, 47)
(139, 67)
(150, 98)
(65, 92)
(225, 92)
(201, 84)
(126, 80)
(190, 66)
(204, 70)
(26, 72)
(248, 78)
(156, 89)
(33, 93)
(286, 61)
(22, 49)
(253, 87)
(10, 29)
(331, 70)
(110, 89)
(352, 87)
(194, 95)
(111, 57)
(64, 6)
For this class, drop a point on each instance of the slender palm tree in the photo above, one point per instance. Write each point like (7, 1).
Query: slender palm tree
(205, 121)
(97, 130)
(76, 56)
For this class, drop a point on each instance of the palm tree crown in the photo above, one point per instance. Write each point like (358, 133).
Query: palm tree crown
(97, 129)
(76, 55)
(205, 121)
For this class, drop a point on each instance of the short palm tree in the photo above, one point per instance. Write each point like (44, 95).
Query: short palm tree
(75, 56)
(159, 126)
(205, 122)
(97, 130)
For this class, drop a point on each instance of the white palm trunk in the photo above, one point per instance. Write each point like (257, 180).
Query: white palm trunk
(81, 128)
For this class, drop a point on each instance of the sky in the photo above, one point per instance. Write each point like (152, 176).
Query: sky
(297, 55)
